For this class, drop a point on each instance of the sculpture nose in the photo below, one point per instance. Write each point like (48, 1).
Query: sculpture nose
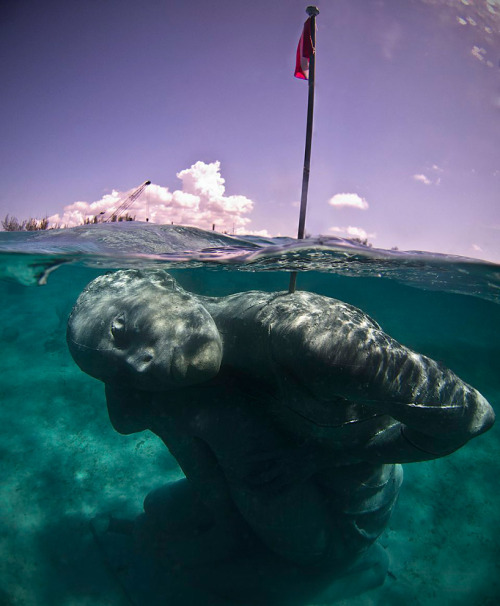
(141, 360)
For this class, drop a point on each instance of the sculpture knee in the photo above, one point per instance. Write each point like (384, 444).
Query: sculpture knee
(295, 524)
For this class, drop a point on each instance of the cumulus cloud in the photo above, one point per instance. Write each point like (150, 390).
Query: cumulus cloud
(422, 179)
(352, 232)
(349, 200)
(478, 53)
(390, 37)
(200, 202)
(263, 233)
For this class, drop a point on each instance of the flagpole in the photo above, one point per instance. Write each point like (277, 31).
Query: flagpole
(312, 11)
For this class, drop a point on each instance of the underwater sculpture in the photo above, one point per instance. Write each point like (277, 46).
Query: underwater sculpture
(289, 415)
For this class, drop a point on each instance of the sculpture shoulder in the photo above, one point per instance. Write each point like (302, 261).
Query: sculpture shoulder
(295, 312)
(314, 330)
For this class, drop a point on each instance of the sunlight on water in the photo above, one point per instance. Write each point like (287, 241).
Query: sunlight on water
(30, 257)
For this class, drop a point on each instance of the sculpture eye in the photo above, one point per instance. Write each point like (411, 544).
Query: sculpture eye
(119, 329)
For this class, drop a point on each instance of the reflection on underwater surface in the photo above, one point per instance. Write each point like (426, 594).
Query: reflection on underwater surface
(63, 464)
(29, 257)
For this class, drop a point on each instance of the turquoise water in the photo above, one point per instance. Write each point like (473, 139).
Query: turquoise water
(63, 464)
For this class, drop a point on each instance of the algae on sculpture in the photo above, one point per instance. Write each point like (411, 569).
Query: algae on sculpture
(288, 413)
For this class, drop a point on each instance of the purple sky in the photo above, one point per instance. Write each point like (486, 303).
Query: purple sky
(100, 95)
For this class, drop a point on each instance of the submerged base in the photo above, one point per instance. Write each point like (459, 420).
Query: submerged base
(255, 578)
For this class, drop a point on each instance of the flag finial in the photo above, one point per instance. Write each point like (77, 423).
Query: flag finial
(312, 11)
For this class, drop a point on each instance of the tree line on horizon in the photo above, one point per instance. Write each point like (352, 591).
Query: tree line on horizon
(11, 223)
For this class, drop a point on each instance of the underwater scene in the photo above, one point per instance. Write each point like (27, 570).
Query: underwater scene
(74, 476)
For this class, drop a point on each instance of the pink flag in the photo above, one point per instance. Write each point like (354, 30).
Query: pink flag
(304, 52)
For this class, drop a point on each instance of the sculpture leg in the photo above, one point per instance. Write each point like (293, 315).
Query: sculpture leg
(294, 522)
(296, 519)
(179, 529)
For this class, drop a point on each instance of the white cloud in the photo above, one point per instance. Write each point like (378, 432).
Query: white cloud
(201, 202)
(478, 52)
(350, 200)
(390, 36)
(477, 248)
(203, 179)
(422, 179)
(352, 232)
(263, 233)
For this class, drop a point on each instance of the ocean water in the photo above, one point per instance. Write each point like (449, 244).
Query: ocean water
(63, 464)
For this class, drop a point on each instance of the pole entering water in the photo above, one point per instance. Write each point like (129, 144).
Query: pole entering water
(307, 47)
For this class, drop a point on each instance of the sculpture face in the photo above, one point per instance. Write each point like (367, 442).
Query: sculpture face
(142, 331)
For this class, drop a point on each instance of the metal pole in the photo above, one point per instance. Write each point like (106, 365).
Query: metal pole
(312, 11)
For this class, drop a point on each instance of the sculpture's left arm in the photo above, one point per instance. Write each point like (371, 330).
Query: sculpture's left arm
(435, 411)
(431, 411)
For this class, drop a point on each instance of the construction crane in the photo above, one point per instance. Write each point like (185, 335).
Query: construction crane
(125, 205)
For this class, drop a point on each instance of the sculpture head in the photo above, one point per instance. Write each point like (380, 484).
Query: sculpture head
(140, 328)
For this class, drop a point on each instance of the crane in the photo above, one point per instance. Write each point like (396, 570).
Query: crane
(126, 204)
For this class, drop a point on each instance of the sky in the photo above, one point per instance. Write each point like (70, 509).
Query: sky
(199, 97)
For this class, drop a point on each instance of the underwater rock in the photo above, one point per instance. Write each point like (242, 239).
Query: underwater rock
(289, 415)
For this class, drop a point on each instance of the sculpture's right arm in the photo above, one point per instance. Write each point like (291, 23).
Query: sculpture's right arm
(131, 411)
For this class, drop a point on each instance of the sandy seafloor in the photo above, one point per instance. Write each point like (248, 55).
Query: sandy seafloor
(62, 463)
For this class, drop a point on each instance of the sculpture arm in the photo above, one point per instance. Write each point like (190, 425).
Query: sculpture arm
(435, 412)
(200, 467)
(172, 423)
(131, 411)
